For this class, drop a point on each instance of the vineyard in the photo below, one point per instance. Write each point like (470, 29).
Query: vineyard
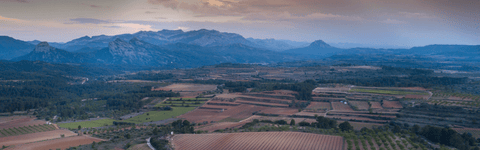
(257, 140)
(26, 130)
(33, 137)
(380, 140)
(60, 143)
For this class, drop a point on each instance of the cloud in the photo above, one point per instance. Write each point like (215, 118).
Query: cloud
(393, 21)
(91, 5)
(115, 27)
(10, 19)
(256, 10)
(20, 1)
(89, 21)
(417, 15)
(286, 16)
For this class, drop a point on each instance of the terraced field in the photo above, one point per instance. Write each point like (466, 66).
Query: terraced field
(257, 140)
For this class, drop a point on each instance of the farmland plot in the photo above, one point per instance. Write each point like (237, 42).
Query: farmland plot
(376, 105)
(392, 104)
(257, 140)
(319, 106)
(60, 143)
(20, 122)
(33, 137)
(339, 106)
(87, 124)
(360, 105)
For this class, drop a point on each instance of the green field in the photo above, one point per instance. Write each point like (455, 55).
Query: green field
(159, 115)
(87, 124)
(390, 92)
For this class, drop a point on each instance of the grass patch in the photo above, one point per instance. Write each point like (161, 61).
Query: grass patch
(159, 115)
(390, 92)
(88, 124)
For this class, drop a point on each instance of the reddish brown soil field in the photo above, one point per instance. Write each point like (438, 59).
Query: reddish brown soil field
(61, 143)
(319, 106)
(261, 103)
(264, 99)
(303, 113)
(339, 106)
(222, 125)
(258, 140)
(238, 112)
(361, 105)
(20, 122)
(39, 136)
(280, 111)
(376, 105)
(392, 104)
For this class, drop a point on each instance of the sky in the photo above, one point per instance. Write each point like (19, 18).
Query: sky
(374, 22)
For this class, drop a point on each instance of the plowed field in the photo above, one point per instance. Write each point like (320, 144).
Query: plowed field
(339, 106)
(257, 140)
(20, 122)
(315, 106)
(392, 104)
(61, 143)
(39, 136)
(376, 105)
(361, 105)
(236, 112)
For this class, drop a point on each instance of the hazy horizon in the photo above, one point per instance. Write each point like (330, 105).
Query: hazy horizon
(369, 22)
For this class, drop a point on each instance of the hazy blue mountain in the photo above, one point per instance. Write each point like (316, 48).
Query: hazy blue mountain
(11, 48)
(346, 45)
(317, 48)
(295, 44)
(272, 44)
(140, 53)
(44, 52)
(201, 37)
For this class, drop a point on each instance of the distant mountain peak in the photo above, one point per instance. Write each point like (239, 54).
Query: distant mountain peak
(43, 47)
(136, 41)
(320, 43)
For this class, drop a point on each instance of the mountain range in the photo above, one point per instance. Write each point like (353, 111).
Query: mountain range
(179, 49)
(140, 53)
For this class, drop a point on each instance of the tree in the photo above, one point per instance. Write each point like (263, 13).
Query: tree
(292, 122)
(345, 126)
(79, 127)
(186, 123)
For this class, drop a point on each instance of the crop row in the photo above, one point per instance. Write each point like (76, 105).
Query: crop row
(382, 140)
(26, 130)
